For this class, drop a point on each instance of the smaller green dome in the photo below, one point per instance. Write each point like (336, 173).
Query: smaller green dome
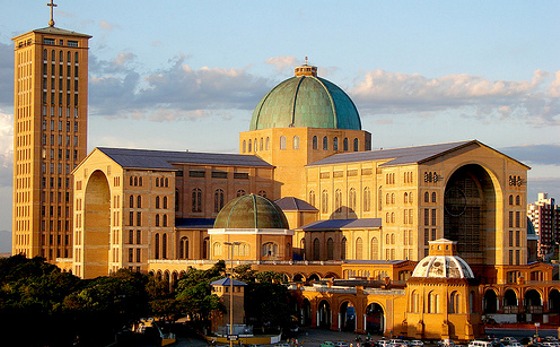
(251, 211)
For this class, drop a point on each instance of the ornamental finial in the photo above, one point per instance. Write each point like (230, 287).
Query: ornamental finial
(52, 5)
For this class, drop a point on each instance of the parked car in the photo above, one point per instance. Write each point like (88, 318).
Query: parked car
(416, 343)
(341, 344)
(508, 340)
(327, 344)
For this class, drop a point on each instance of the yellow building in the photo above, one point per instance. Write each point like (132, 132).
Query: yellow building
(50, 137)
(348, 227)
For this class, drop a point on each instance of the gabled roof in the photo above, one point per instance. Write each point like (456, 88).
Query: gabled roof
(290, 203)
(226, 282)
(156, 159)
(336, 224)
(404, 155)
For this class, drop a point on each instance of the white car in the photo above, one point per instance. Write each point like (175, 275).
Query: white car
(416, 343)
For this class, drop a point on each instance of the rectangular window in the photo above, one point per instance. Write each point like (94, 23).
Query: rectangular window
(138, 255)
(426, 216)
(130, 236)
(510, 238)
(130, 255)
(138, 218)
(196, 173)
(72, 43)
(138, 237)
(434, 216)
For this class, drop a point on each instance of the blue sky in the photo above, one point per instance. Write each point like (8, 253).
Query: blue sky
(181, 74)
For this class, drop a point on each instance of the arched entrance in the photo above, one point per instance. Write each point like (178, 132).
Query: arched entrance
(554, 306)
(469, 213)
(305, 314)
(490, 303)
(533, 306)
(347, 317)
(324, 315)
(97, 224)
(375, 319)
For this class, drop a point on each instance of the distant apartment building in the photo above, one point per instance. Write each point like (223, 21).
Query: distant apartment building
(545, 216)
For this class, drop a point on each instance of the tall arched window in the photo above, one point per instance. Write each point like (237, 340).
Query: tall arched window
(312, 197)
(197, 200)
(335, 144)
(434, 197)
(217, 249)
(164, 220)
(356, 145)
(315, 144)
(414, 302)
(454, 303)
(380, 198)
(330, 249)
(359, 248)
(157, 201)
(337, 201)
(374, 249)
(426, 197)
(511, 200)
(295, 143)
(324, 202)
(352, 199)
(218, 200)
(156, 246)
(164, 246)
(325, 143)
(250, 145)
(367, 199)
(157, 220)
(345, 144)
(282, 142)
(267, 143)
(165, 202)
(316, 249)
(184, 248)
(343, 249)
(244, 146)
(433, 303)
(405, 197)
(131, 201)
(139, 202)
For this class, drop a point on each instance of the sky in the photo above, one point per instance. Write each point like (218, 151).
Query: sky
(181, 74)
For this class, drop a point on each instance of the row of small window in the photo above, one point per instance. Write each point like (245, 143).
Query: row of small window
(161, 220)
(51, 240)
(53, 99)
(374, 249)
(352, 197)
(217, 174)
(61, 53)
(197, 202)
(51, 225)
(50, 254)
(60, 142)
(160, 202)
(160, 246)
(407, 177)
(60, 84)
(60, 112)
(67, 169)
(58, 211)
(517, 238)
(131, 252)
(514, 219)
(60, 128)
(455, 302)
(517, 200)
(430, 197)
(430, 216)
(268, 249)
(264, 144)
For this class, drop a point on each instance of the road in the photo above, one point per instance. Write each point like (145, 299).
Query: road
(306, 338)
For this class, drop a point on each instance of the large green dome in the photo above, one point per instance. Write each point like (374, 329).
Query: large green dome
(306, 100)
(253, 212)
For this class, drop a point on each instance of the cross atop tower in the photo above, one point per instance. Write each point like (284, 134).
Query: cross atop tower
(52, 5)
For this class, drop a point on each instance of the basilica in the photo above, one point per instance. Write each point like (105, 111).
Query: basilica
(427, 242)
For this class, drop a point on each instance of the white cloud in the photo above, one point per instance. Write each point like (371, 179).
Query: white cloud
(281, 64)
(392, 92)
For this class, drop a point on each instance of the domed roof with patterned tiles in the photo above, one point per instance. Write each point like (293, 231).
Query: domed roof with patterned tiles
(306, 100)
(251, 211)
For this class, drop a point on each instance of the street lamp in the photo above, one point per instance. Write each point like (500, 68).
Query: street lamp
(231, 245)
